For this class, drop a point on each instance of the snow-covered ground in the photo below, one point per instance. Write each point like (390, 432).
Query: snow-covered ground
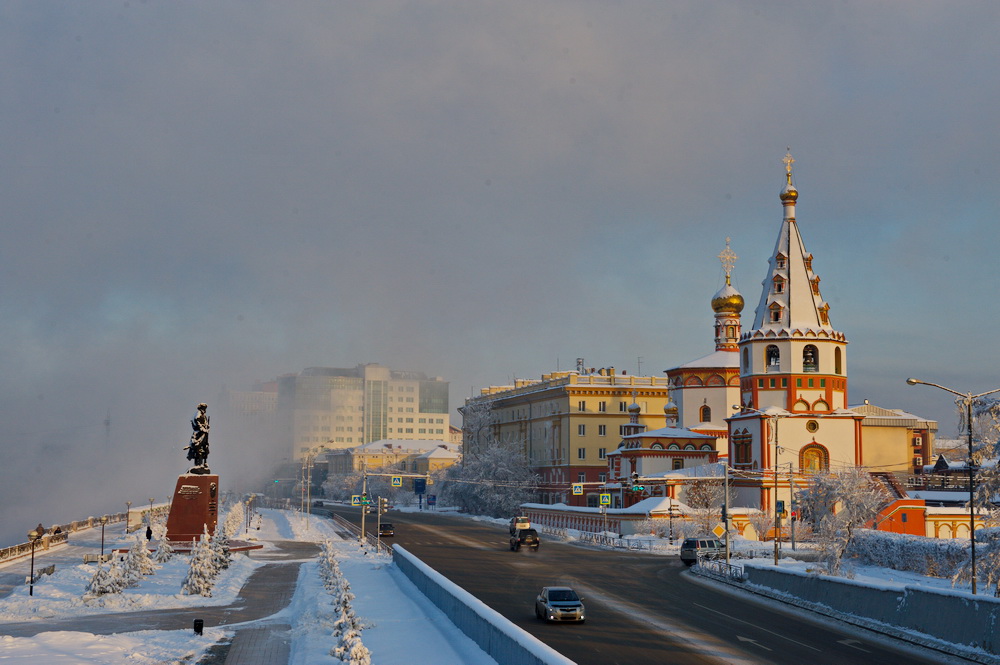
(395, 615)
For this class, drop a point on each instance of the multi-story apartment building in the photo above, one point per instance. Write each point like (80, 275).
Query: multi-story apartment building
(567, 422)
(337, 407)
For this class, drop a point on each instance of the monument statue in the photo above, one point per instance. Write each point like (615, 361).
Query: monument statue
(198, 448)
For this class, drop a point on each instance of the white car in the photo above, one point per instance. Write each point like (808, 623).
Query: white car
(559, 603)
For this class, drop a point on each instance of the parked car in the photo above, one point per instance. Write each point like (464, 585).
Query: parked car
(385, 529)
(708, 548)
(559, 603)
(525, 538)
(519, 523)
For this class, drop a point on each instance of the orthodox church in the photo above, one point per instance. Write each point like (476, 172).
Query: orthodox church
(775, 396)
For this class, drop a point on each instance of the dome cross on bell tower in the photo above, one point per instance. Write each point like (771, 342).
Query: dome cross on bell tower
(727, 304)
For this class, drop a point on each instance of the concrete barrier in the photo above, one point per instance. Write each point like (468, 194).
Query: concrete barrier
(497, 636)
(954, 617)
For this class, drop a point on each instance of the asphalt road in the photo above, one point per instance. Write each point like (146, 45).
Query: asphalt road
(641, 608)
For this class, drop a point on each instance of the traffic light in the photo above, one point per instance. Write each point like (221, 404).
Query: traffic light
(383, 505)
(638, 488)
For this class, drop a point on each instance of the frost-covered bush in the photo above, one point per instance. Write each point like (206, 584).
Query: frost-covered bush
(203, 569)
(137, 563)
(234, 520)
(106, 580)
(347, 625)
(918, 554)
(164, 551)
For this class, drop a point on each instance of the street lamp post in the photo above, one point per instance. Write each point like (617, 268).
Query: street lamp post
(774, 468)
(967, 399)
(104, 520)
(33, 536)
(128, 508)
(150, 510)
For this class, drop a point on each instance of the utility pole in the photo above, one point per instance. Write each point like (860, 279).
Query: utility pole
(364, 499)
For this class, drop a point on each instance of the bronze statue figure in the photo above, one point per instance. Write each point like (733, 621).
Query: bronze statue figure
(198, 448)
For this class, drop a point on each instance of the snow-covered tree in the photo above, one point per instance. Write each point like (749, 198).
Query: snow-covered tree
(761, 521)
(203, 569)
(235, 518)
(705, 497)
(494, 481)
(838, 504)
(164, 552)
(137, 563)
(106, 580)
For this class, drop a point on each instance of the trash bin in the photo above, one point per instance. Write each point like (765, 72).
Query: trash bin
(199, 626)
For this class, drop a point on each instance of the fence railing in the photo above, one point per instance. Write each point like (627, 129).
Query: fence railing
(720, 569)
(613, 541)
(355, 532)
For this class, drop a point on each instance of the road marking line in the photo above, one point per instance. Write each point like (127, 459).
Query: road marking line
(758, 627)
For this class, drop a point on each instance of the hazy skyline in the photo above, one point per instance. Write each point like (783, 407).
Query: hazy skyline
(200, 195)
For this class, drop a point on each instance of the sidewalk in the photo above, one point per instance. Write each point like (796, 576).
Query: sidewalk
(276, 611)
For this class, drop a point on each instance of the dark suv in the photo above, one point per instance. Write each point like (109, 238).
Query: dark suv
(707, 548)
(525, 537)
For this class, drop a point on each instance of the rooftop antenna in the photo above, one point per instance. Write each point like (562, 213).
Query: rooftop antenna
(638, 362)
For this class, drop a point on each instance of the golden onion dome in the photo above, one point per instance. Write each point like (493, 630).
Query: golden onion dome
(634, 408)
(728, 299)
(789, 193)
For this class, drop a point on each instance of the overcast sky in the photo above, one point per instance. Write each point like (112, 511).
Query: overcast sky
(199, 194)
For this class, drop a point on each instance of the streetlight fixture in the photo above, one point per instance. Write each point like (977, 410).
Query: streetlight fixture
(33, 537)
(151, 510)
(128, 508)
(104, 520)
(774, 465)
(966, 399)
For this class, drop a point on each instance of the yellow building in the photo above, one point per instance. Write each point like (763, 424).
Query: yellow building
(405, 456)
(566, 422)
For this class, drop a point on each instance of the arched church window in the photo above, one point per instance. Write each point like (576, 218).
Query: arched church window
(706, 414)
(772, 355)
(731, 332)
(656, 446)
(810, 358)
(814, 458)
(707, 447)
(836, 361)
(746, 359)
(689, 446)
(673, 446)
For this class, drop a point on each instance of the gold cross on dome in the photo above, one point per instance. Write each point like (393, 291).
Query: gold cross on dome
(788, 161)
(728, 258)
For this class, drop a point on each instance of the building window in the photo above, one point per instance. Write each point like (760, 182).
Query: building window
(581, 476)
(602, 407)
(622, 407)
(836, 361)
(581, 453)
(602, 453)
(581, 430)
(602, 477)
(581, 405)
(810, 358)
(706, 414)
(772, 355)
(779, 284)
(779, 261)
(656, 446)
(677, 463)
(602, 430)
(742, 447)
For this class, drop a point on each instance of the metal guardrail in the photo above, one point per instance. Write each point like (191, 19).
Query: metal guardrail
(617, 543)
(355, 532)
(720, 570)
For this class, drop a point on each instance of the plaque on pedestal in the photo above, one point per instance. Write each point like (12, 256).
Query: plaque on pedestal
(195, 505)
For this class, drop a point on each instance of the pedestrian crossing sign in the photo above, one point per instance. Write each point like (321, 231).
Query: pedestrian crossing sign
(397, 481)
(605, 499)
(355, 499)
(577, 489)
